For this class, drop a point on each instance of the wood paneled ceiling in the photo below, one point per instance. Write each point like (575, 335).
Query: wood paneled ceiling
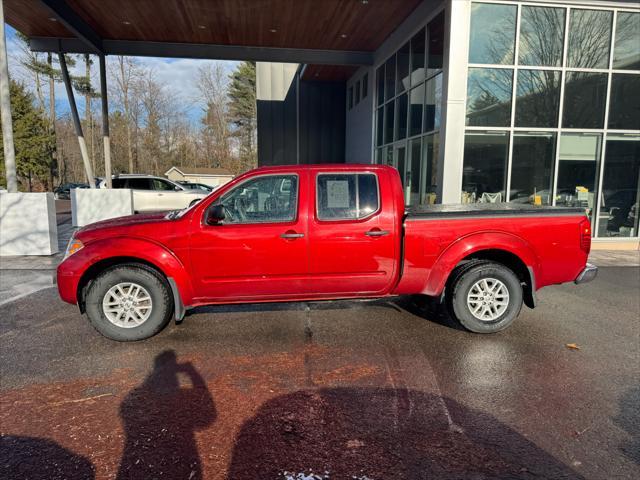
(352, 25)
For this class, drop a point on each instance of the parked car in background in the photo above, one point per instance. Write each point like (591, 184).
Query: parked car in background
(321, 232)
(152, 194)
(197, 186)
(63, 192)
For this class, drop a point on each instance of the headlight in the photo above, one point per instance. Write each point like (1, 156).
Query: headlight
(73, 246)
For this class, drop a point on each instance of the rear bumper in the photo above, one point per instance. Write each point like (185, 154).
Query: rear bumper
(589, 273)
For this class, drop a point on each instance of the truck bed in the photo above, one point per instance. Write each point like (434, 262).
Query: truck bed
(423, 212)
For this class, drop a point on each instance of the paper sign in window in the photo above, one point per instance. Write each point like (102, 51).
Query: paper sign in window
(337, 194)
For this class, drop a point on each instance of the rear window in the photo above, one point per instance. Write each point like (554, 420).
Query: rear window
(139, 183)
(349, 196)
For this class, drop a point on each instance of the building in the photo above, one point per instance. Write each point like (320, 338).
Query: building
(472, 101)
(214, 177)
(530, 102)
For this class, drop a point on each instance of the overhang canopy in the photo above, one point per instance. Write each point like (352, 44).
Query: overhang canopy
(327, 32)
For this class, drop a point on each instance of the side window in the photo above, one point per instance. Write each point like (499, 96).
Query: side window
(118, 183)
(139, 184)
(159, 184)
(346, 196)
(266, 199)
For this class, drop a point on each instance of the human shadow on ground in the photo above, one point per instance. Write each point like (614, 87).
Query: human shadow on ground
(370, 433)
(160, 419)
(40, 459)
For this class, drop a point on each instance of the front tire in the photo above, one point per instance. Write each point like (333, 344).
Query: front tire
(129, 302)
(486, 297)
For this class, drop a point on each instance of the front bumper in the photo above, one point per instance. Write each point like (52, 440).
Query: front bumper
(589, 273)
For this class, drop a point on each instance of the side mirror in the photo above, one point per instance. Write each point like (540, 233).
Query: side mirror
(215, 215)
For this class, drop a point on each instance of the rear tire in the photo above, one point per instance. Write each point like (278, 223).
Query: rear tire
(129, 302)
(486, 297)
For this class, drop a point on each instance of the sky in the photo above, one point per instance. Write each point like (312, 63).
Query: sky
(178, 74)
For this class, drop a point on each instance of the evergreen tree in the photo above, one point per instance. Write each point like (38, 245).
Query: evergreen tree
(33, 139)
(242, 110)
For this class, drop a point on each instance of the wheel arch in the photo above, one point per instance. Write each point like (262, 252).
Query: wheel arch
(510, 260)
(503, 248)
(149, 255)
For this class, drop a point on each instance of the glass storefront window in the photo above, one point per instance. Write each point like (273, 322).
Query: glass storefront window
(416, 102)
(388, 155)
(380, 127)
(380, 84)
(407, 121)
(417, 57)
(401, 117)
(403, 68)
(415, 162)
(532, 168)
(431, 103)
(584, 100)
(589, 38)
(578, 162)
(489, 97)
(400, 164)
(541, 36)
(626, 50)
(620, 187)
(537, 98)
(390, 77)
(485, 167)
(388, 122)
(624, 103)
(493, 31)
(435, 31)
(429, 174)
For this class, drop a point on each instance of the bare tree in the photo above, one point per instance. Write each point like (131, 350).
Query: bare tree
(212, 84)
(125, 73)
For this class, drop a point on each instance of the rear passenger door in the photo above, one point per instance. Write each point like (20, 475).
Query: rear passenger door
(351, 235)
(166, 195)
(145, 199)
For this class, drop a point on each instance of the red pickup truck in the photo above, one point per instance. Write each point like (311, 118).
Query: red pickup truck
(320, 232)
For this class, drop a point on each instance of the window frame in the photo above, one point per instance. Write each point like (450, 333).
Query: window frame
(203, 220)
(317, 217)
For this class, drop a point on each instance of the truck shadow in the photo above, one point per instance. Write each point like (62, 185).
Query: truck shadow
(419, 305)
(373, 433)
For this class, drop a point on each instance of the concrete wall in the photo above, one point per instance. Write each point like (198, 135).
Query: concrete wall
(28, 224)
(92, 205)
(359, 121)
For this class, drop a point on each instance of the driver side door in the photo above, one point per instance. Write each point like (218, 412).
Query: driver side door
(260, 250)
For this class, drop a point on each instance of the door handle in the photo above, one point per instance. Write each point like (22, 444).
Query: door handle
(291, 235)
(377, 233)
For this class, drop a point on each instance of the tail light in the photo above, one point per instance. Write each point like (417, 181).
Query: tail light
(585, 235)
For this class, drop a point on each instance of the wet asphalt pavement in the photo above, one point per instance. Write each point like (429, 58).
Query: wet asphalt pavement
(342, 390)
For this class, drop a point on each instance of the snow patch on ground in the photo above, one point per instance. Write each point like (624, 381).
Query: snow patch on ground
(316, 476)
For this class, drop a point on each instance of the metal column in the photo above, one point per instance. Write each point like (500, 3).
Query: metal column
(5, 106)
(76, 121)
(105, 121)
